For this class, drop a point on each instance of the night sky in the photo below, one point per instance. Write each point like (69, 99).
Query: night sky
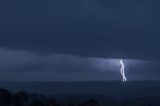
(79, 40)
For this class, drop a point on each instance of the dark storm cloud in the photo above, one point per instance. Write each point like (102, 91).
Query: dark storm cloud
(22, 65)
(20, 61)
(98, 28)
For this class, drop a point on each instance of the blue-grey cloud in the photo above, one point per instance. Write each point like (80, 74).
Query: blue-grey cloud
(95, 28)
(59, 36)
(24, 65)
(21, 61)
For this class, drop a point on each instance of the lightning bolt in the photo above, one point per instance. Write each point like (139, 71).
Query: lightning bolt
(122, 70)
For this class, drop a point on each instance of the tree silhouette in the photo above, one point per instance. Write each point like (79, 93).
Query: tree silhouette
(52, 102)
(5, 96)
(20, 98)
(91, 102)
(37, 103)
(71, 104)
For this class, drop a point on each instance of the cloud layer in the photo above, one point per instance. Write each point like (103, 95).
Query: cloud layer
(24, 66)
(57, 37)
(92, 28)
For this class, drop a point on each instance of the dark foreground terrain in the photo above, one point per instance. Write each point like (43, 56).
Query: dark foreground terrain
(144, 93)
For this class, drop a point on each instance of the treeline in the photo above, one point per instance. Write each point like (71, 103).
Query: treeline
(22, 98)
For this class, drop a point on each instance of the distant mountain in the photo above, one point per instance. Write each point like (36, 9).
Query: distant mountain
(117, 90)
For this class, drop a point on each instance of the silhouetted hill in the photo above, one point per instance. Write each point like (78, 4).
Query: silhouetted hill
(116, 90)
(144, 93)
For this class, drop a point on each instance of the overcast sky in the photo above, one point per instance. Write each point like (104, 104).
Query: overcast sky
(69, 40)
